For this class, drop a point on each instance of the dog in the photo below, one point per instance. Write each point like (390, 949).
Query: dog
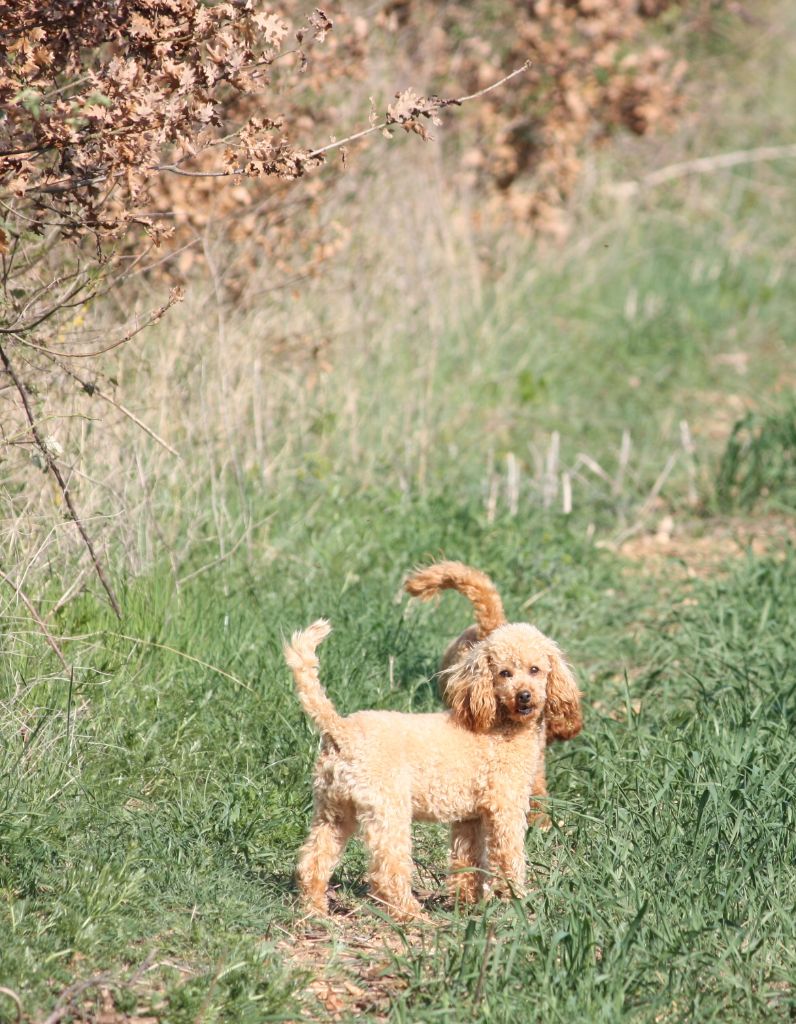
(479, 589)
(472, 766)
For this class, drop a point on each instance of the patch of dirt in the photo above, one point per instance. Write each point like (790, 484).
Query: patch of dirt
(692, 549)
(721, 411)
(352, 961)
(98, 1007)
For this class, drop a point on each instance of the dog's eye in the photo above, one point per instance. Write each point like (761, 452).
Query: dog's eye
(534, 669)
(505, 673)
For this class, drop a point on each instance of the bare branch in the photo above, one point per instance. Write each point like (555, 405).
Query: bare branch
(702, 165)
(433, 104)
(175, 296)
(42, 626)
(139, 423)
(67, 1001)
(56, 472)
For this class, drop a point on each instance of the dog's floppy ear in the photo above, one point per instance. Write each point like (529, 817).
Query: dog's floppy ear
(470, 692)
(562, 712)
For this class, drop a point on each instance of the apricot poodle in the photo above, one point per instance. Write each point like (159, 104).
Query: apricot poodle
(479, 589)
(472, 766)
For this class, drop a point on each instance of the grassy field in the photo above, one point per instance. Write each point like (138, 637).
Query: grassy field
(153, 812)
(155, 793)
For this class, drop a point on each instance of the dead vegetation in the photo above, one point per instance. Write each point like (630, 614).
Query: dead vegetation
(350, 965)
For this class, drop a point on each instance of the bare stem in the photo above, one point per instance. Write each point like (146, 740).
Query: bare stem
(52, 465)
(37, 619)
(703, 165)
(355, 136)
(153, 318)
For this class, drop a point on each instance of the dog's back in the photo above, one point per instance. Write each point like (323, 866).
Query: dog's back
(429, 764)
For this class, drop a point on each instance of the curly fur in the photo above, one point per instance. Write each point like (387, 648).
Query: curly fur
(476, 586)
(472, 766)
(563, 717)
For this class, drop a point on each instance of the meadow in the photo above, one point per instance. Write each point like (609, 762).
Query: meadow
(607, 427)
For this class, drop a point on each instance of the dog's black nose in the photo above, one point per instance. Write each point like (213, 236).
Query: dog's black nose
(524, 697)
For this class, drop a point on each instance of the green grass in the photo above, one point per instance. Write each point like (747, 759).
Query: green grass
(154, 796)
(759, 461)
(155, 806)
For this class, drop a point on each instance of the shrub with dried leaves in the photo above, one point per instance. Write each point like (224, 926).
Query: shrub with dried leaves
(101, 101)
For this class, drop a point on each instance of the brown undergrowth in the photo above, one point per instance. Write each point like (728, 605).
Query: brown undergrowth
(350, 964)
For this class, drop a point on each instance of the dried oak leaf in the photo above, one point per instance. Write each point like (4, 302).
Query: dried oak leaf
(408, 107)
(405, 107)
(316, 29)
(273, 27)
(321, 23)
(18, 186)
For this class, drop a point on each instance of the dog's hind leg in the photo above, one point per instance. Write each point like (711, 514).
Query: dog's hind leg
(331, 829)
(537, 812)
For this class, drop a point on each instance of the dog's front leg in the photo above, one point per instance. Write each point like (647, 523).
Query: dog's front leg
(387, 832)
(467, 861)
(505, 839)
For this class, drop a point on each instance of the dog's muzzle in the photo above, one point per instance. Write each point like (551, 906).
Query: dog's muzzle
(524, 701)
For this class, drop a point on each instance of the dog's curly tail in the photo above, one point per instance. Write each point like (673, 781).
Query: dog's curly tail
(303, 662)
(476, 586)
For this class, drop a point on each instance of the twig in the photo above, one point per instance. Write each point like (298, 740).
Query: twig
(67, 998)
(534, 598)
(188, 657)
(221, 558)
(592, 464)
(566, 493)
(69, 714)
(71, 184)
(512, 483)
(647, 504)
(663, 476)
(14, 998)
(689, 448)
(66, 1001)
(702, 165)
(63, 302)
(355, 136)
(624, 459)
(440, 105)
(37, 619)
(92, 388)
(52, 465)
(550, 481)
(139, 423)
(746, 15)
(492, 498)
(175, 295)
(73, 586)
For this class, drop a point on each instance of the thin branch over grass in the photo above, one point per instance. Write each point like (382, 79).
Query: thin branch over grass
(36, 618)
(702, 165)
(67, 1004)
(52, 465)
(11, 994)
(406, 112)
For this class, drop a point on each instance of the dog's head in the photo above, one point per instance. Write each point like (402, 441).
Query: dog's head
(516, 674)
